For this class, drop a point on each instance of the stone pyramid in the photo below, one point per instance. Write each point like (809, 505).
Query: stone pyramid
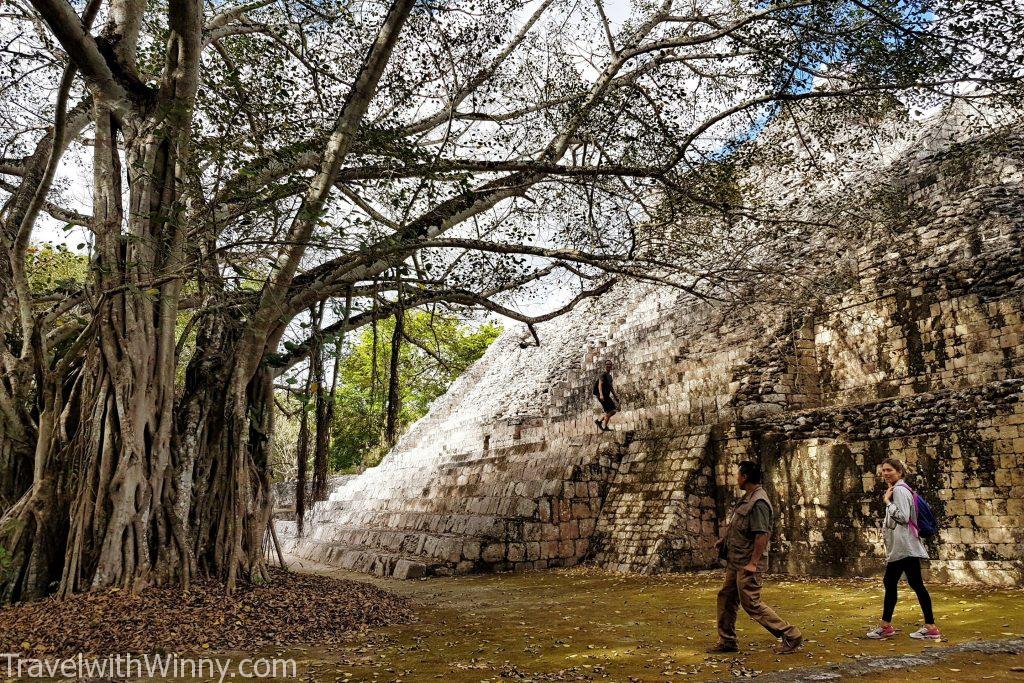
(920, 356)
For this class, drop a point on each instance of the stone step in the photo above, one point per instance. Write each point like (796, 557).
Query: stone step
(329, 531)
(429, 546)
(370, 561)
(476, 526)
(457, 499)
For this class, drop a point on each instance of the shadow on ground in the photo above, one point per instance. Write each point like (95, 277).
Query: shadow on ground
(585, 624)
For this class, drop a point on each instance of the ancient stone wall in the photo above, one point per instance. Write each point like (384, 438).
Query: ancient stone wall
(918, 355)
(921, 361)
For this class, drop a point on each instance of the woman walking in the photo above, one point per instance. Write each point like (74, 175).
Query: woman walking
(904, 552)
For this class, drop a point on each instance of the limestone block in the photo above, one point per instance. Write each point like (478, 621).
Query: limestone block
(986, 521)
(407, 569)
(493, 553)
(1001, 535)
(526, 507)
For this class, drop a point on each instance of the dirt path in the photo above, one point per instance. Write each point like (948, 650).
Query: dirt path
(583, 624)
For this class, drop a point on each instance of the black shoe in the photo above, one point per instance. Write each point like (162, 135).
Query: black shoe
(599, 425)
(721, 649)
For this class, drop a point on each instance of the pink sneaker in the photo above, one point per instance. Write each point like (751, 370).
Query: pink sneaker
(881, 633)
(925, 633)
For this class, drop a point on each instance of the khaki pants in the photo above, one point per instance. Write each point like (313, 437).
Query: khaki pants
(744, 588)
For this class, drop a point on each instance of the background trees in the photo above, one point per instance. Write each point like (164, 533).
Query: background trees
(257, 165)
(337, 416)
(434, 351)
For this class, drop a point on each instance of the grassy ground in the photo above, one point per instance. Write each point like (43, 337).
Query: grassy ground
(583, 624)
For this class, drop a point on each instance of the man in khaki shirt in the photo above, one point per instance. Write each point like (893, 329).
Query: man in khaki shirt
(744, 548)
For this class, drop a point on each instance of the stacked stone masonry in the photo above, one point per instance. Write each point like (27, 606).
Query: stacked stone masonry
(920, 357)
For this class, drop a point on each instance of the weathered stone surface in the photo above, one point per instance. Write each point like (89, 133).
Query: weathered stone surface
(920, 356)
(407, 569)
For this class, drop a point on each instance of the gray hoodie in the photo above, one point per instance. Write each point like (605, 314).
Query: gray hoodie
(900, 540)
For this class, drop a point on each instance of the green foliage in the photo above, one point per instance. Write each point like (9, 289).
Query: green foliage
(52, 268)
(441, 348)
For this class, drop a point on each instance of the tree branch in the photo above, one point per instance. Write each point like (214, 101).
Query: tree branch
(282, 362)
(85, 53)
(356, 104)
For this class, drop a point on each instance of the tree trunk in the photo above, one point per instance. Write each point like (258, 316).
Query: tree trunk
(103, 486)
(15, 470)
(323, 427)
(123, 528)
(240, 505)
(394, 393)
(18, 394)
(231, 501)
(302, 455)
(302, 459)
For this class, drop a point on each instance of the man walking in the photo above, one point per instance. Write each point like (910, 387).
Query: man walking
(744, 547)
(604, 392)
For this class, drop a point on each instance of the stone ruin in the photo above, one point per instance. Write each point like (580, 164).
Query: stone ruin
(919, 356)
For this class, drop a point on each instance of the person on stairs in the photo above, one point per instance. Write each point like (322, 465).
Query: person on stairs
(744, 549)
(604, 392)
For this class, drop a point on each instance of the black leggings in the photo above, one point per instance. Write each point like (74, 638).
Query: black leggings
(911, 566)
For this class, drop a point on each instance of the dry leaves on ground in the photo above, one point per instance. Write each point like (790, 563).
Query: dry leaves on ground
(295, 609)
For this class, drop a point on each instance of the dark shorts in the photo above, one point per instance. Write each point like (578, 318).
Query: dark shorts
(607, 404)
